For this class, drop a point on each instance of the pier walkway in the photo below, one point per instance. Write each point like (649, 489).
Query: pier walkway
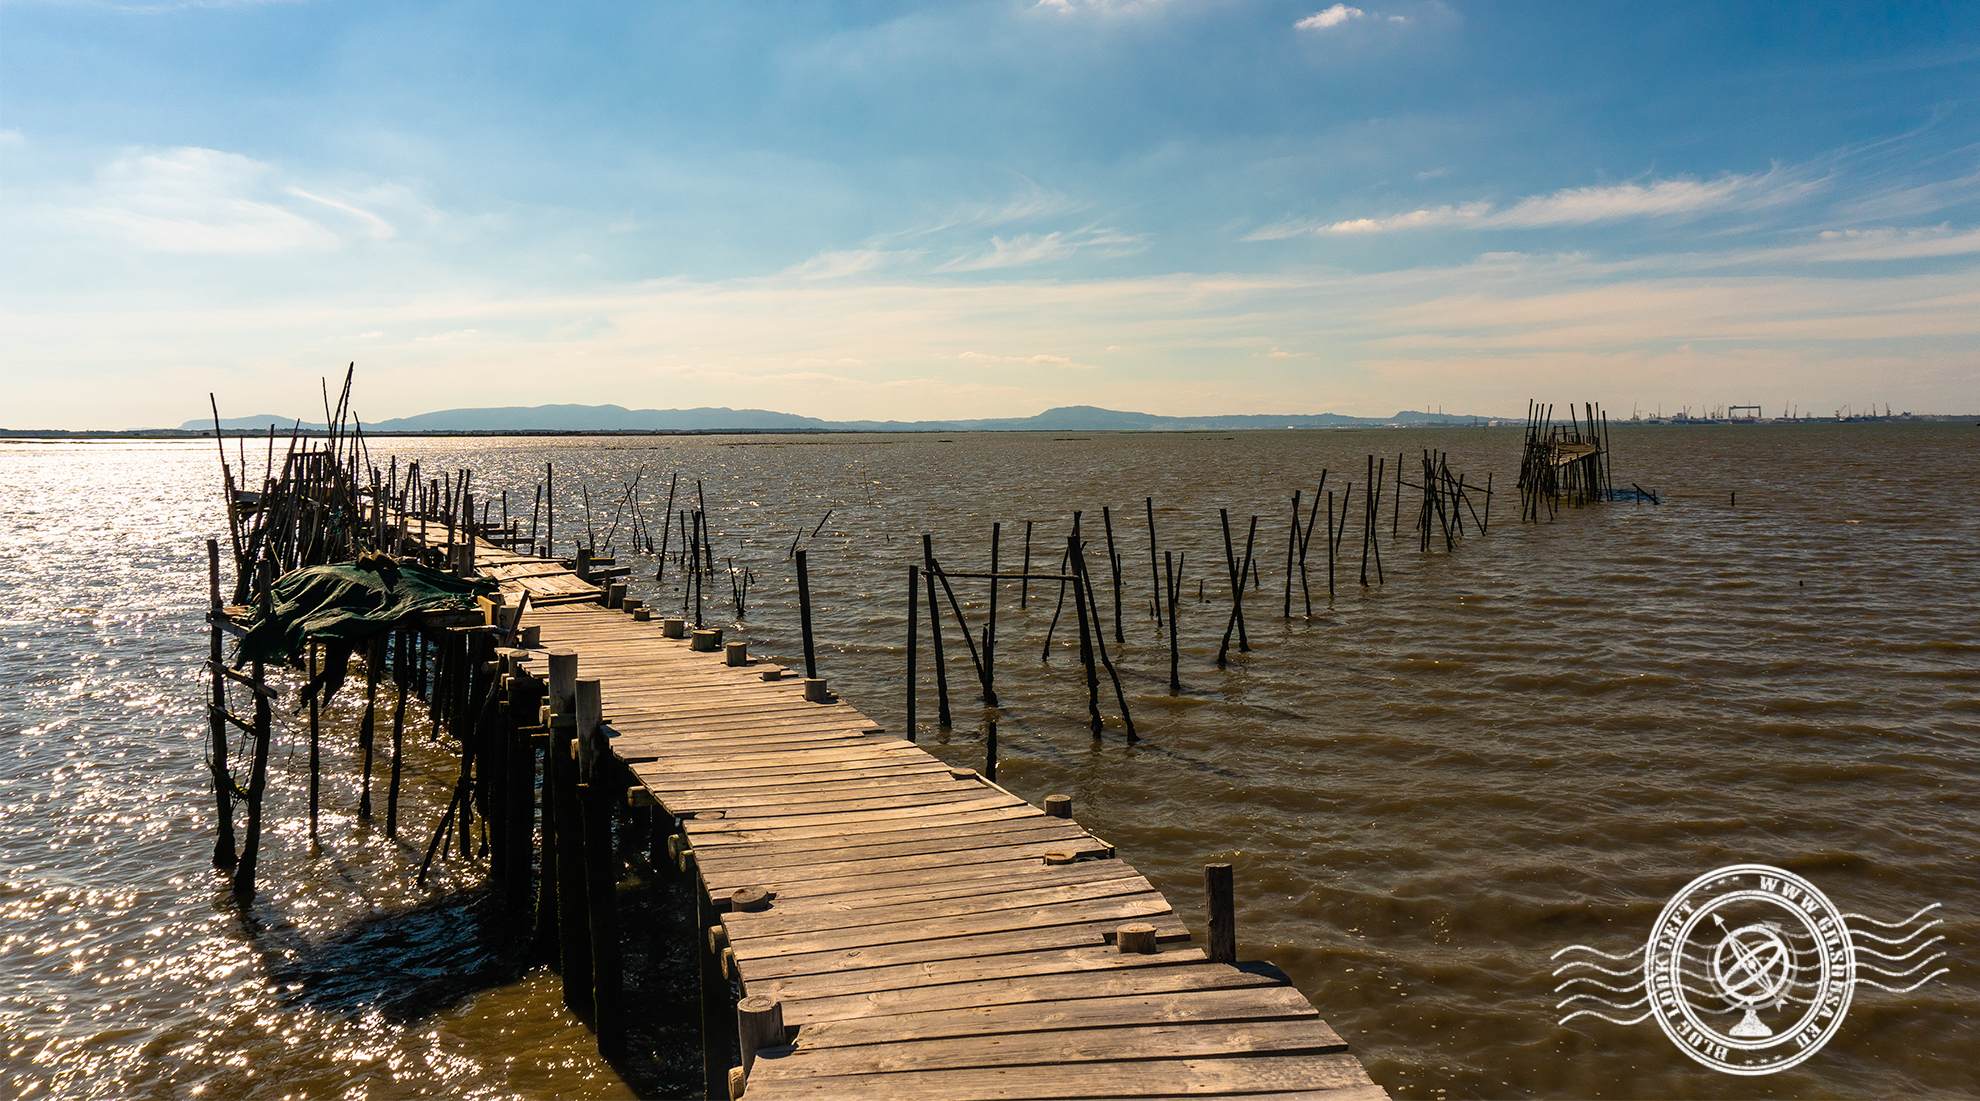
(925, 933)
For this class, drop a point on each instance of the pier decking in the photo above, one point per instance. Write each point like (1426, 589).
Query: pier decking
(923, 932)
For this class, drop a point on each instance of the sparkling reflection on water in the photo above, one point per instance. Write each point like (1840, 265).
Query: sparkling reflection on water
(1427, 788)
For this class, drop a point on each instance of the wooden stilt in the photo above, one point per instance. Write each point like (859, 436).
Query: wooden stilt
(913, 630)
(374, 662)
(257, 786)
(216, 717)
(315, 734)
(602, 796)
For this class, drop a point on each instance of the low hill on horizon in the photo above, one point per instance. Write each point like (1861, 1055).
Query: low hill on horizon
(617, 418)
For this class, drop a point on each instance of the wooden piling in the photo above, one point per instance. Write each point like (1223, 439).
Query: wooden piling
(1220, 903)
(1137, 938)
(1114, 567)
(913, 629)
(224, 855)
(759, 1024)
(718, 1018)
(315, 733)
(804, 617)
(402, 685)
(601, 798)
(374, 662)
(990, 629)
(1292, 551)
(1174, 586)
(573, 924)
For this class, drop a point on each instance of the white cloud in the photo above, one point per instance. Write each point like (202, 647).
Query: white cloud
(1575, 206)
(839, 264)
(1026, 248)
(1126, 7)
(1330, 17)
(194, 200)
(1040, 360)
(375, 227)
(1037, 248)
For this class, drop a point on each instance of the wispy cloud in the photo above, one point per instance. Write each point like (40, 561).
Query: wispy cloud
(1578, 206)
(1037, 248)
(844, 262)
(1070, 7)
(1040, 360)
(204, 200)
(161, 6)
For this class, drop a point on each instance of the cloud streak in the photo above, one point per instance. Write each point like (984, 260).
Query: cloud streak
(1576, 206)
(193, 200)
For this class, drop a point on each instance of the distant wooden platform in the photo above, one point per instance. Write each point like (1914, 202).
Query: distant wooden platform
(928, 934)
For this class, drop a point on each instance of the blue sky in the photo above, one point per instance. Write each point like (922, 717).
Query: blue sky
(987, 208)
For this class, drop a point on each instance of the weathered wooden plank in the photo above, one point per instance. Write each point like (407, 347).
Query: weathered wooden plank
(883, 884)
(874, 751)
(658, 781)
(746, 803)
(821, 914)
(1249, 1003)
(962, 949)
(1119, 908)
(722, 862)
(1340, 1075)
(992, 807)
(1060, 1047)
(659, 722)
(1021, 989)
(714, 741)
(804, 992)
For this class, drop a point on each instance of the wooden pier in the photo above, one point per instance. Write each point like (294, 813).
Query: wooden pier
(870, 922)
(902, 929)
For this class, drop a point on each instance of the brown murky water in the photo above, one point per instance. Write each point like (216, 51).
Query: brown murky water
(1428, 787)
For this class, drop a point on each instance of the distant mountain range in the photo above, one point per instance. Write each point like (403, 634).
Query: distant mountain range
(614, 418)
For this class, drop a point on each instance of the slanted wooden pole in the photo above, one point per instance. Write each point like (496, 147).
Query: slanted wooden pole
(1079, 583)
(1154, 567)
(935, 630)
(257, 786)
(1024, 587)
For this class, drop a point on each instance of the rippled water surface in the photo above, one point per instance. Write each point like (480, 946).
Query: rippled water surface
(1427, 787)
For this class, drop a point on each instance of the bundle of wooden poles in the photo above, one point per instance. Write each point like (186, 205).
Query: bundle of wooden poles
(1564, 464)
